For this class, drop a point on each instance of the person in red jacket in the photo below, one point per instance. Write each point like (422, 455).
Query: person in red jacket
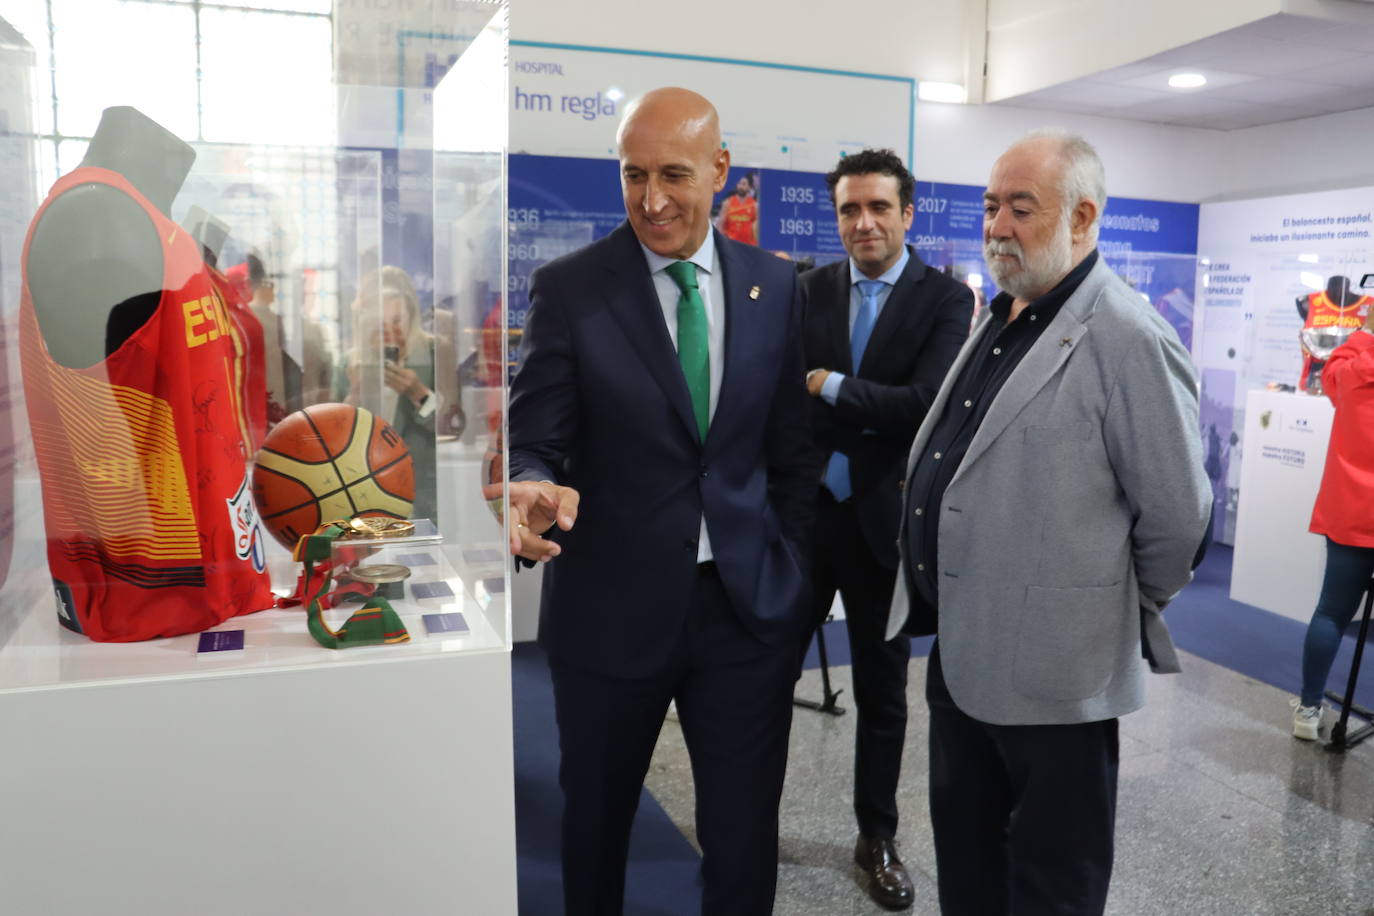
(1342, 515)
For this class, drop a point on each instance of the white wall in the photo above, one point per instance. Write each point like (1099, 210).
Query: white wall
(922, 39)
(958, 143)
(1314, 154)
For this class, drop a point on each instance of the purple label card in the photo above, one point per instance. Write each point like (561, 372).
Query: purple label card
(416, 559)
(451, 622)
(221, 641)
(495, 585)
(476, 556)
(430, 590)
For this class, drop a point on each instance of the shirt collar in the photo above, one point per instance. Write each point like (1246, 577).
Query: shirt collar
(705, 256)
(889, 276)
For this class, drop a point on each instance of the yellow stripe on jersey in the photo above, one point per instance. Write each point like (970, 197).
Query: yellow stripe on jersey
(132, 495)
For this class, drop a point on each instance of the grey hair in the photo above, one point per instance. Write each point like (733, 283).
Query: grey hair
(1083, 178)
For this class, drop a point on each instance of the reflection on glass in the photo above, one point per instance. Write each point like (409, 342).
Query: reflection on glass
(30, 19)
(299, 6)
(17, 201)
(391, 370)
(469, 206)
(247, 58)
(151, 66)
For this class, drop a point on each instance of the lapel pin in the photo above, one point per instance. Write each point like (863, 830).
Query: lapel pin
(1066, 342)
(753, 292)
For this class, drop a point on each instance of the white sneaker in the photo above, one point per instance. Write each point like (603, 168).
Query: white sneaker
(1306, 720)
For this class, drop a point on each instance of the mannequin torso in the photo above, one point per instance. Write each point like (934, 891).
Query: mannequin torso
(94, 266)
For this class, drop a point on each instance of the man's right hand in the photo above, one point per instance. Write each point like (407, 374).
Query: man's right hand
(534, 508)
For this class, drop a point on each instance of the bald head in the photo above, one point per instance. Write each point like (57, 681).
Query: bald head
(672, 108)
(671, 166)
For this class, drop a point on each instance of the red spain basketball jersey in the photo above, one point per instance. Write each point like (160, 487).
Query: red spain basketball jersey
(144, 456)
(1323, 313)
(252, 384)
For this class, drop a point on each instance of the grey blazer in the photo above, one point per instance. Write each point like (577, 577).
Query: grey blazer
(1073, 519)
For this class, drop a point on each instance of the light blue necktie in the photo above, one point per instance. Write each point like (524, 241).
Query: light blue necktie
(837, 471)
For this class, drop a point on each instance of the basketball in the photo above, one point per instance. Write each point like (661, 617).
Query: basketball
(327, 462)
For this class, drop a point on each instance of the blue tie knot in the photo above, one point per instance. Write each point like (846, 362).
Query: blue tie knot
(870, 288)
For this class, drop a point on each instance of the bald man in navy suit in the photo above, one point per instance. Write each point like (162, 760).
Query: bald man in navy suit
(662, 469)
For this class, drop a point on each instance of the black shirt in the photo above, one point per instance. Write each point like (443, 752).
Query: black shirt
(996, 355)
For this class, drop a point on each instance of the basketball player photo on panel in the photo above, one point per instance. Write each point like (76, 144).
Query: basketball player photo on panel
(135, 373)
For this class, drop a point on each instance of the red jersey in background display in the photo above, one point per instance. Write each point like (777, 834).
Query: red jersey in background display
(741, 219)
(252, 385)
(1323, 313)
(143, 456)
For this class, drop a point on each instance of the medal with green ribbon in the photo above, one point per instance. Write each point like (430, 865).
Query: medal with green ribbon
(375, 623)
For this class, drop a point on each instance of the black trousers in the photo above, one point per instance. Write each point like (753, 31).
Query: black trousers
(734, 703)
(844, 563)
(1024, 815)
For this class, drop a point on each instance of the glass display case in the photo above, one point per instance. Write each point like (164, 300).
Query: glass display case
(322, 260)
(252, 278)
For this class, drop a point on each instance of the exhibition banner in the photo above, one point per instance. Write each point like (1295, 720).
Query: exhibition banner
(784, 127)
(1150, 244)
(559, 203)
(1262, 265)
(567, 101)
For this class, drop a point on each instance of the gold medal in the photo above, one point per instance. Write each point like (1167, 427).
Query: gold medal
(378, 527)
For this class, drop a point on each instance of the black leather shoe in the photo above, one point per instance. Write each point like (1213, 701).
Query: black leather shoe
(888, 882)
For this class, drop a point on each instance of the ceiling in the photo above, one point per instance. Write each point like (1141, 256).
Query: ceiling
(1281, 68)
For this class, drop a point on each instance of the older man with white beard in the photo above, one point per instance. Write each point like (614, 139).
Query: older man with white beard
(1055, 502)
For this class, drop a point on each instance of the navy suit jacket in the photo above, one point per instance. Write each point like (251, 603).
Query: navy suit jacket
(600, 404)
(883, 400)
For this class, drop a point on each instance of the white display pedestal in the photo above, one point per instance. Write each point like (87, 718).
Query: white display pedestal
(1278, 563)
(145, 779)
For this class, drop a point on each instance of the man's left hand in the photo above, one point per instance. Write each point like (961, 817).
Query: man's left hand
(814, 380)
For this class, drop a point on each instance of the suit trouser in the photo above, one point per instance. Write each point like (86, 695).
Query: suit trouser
(844, 563)
(1024, 815)
(734, 703)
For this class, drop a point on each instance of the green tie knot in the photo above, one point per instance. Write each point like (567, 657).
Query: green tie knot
(684, 274)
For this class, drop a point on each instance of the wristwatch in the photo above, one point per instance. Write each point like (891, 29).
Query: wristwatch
(427, 405)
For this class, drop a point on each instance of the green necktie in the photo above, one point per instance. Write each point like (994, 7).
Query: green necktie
(693, 348)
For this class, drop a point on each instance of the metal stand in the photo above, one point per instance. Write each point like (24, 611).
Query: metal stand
(828, 697)
(1340, 739)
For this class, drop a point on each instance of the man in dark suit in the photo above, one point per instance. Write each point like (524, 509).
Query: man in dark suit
(659, 427)
(888, 327)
